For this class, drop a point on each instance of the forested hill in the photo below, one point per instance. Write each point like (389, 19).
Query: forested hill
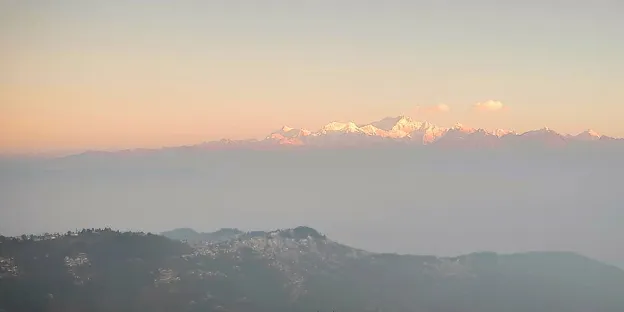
(94, 270)
(287, 270)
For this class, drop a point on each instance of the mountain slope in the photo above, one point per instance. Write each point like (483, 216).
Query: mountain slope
(288, 270)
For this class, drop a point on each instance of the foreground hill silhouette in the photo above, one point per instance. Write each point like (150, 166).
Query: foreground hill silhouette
(287, 270)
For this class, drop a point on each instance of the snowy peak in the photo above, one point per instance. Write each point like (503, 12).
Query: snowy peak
(372, 130)
(401, 123)
(342, 127)
(461, 128)
(388, 123)
(288, 136)
(592, 133)
(406, 124)
(588, 135)
(400, 127)
(288, 132)
(503, 132)
(545, 131)
(430, 134)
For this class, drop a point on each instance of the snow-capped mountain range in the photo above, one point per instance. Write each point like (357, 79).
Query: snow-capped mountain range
(395, 131)
(405, 130)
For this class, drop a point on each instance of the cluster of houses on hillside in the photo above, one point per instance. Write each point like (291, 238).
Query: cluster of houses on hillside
(7, 267)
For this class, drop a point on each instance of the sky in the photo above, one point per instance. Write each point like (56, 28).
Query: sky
(79, 75)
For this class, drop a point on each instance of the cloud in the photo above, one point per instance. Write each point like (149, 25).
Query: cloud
(489, 106)
(440, 108)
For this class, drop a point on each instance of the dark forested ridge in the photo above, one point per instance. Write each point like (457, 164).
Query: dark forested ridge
(287, 270)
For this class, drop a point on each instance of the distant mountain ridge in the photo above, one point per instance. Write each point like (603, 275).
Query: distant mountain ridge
(192, 236)
(405, 129)
(400, 131)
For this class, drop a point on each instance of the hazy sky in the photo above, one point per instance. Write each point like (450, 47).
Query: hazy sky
(116, 74)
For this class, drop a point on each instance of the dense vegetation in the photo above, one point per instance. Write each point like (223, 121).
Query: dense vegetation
(290, 270)
(117, 277)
